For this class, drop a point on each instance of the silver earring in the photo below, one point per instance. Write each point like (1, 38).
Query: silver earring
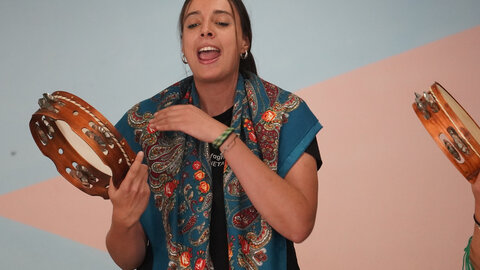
(184, 59)
(244, 55)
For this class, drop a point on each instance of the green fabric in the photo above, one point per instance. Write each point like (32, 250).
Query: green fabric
(467, 265)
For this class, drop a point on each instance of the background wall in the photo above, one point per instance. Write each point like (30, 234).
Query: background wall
(388, 197)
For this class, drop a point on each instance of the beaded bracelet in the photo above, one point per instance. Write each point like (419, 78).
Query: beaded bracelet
(221, 139)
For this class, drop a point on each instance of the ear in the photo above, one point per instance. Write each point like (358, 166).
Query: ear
(244, 44)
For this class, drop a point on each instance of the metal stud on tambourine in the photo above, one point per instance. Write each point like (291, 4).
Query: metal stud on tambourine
(452, 128)
(85, 147)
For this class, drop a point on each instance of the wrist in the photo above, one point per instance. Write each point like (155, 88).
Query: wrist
(220, 139)
(122, 222)
(229, 143)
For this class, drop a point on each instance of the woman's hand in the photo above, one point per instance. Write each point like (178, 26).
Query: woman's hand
(126, 239)
(131, 199)
(188, 119)
(476, 191)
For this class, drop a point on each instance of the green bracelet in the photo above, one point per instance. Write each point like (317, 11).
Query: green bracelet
(221, 139)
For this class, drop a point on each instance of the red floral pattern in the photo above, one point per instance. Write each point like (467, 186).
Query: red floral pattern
(199, 175)
(185, 259)
(204, 187)
(268, 116)
(197, 165)
(200, 264)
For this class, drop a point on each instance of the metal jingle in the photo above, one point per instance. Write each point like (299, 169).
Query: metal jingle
(458, 141)
(85, 175)
(47, 101)
(431, 101)
(49, 97)
(452, 150)
(422, 105)
(94, 137)
(42, 135)
(106, 134)
(46, 122)
(99, 141)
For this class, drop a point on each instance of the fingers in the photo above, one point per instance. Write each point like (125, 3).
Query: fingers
(111, 188)
(136, 165)
(171, 118)
(187, 119)
(137, 174)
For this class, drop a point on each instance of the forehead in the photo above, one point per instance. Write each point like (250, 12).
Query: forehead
(209, 6)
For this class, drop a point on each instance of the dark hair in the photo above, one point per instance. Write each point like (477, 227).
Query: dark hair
(248, 64)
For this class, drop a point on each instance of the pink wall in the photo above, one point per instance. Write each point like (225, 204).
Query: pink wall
(388, 197)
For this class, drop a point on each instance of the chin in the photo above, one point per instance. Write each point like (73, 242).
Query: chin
(212, 76)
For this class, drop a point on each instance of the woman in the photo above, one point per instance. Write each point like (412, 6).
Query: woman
(231, 159)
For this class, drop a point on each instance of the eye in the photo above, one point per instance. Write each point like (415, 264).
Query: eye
(223, 23)
(192, 25)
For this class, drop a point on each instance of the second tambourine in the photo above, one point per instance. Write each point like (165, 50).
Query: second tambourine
(452, 128)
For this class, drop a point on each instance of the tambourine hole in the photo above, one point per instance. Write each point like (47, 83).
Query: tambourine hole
(75, 164)
(107, 186)
(449, 146)
(87, 132)
(120, 160)
(43, 137)
(105, 151)
(43, 141)
(68, 170)
(91, 124)
(75, 113)
(111, 145)
(60, 151)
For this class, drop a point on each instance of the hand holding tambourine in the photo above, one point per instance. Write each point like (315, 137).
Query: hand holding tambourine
(86, 148)
(452, 128)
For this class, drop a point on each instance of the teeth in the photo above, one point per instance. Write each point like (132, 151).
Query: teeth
(206, 49)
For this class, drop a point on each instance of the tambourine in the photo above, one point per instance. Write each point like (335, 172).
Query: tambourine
(85, 147)
(452, 128)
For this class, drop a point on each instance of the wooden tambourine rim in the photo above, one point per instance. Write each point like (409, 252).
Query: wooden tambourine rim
(78, 114)
(447, 117)
(456, 121)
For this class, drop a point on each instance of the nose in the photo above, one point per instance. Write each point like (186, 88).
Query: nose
(207, 34)
(206, 31)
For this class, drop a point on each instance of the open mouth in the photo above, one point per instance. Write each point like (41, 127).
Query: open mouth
(208, 54)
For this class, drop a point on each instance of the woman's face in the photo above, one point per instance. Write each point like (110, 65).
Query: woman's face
(212, 41)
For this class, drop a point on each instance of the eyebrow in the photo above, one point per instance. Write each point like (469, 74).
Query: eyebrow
(217, 11)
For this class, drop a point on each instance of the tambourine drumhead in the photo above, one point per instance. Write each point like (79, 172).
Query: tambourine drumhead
(464, 117)
(452, 128)
(82, 148)
(85, 147)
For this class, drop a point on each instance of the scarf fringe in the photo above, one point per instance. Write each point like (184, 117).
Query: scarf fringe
(466, 257)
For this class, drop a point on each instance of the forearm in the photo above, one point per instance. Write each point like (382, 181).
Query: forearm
(475, 244)
(126, 245)
(281, 203)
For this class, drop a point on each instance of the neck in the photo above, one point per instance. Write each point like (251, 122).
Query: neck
(216, 96)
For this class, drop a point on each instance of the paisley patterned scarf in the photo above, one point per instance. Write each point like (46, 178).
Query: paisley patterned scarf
(276, 125)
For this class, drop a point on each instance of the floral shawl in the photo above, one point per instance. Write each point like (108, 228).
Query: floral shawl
(276, 125)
